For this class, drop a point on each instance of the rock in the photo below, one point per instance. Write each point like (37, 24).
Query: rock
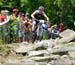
(24, 48)
(67, 36)
(59, 51)
(0, 64)
(58, 62)
(11, 61)
(27, 63)
(61, 62)
(66, 39)
(67, 59)
(72, 54)
(37, 53)
(41, 63)
(27, 60)
(63, 49)
(73, 62)
(67, 33)
(20, 63)
(50, 50)
(51, 62)
(64, 57)
(64, 60)
(45, 58)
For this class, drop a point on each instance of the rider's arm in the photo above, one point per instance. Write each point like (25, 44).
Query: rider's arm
(45, 16)
(32, 15)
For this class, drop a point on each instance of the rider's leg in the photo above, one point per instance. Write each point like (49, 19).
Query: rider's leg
(33, 25)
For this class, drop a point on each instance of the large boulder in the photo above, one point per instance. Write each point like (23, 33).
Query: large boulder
(67, 36)
(67, 33)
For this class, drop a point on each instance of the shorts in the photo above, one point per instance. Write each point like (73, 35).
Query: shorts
(21, 34)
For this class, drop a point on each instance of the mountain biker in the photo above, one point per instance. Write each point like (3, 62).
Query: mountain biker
(37, 14)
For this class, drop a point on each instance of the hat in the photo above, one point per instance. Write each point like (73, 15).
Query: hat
(6, 11)
(15, 10)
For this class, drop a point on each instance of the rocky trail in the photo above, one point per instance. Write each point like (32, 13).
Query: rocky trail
(60, 51)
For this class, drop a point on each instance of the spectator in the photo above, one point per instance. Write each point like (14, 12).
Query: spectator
(54, 33)
(7, 15)
(61, 27)
(21, 27)
(2, 16)
(14, 23)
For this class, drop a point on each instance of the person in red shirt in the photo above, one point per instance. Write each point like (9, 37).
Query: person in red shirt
(61, 27)
(2, 16)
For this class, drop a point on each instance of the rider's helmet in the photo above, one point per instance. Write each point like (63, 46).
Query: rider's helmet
(15, 10)
(41, 8)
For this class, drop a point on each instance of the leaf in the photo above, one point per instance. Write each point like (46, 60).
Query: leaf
(1, 3)
(59, 2)
(1, 0)
(73, 2)
(24, 1)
